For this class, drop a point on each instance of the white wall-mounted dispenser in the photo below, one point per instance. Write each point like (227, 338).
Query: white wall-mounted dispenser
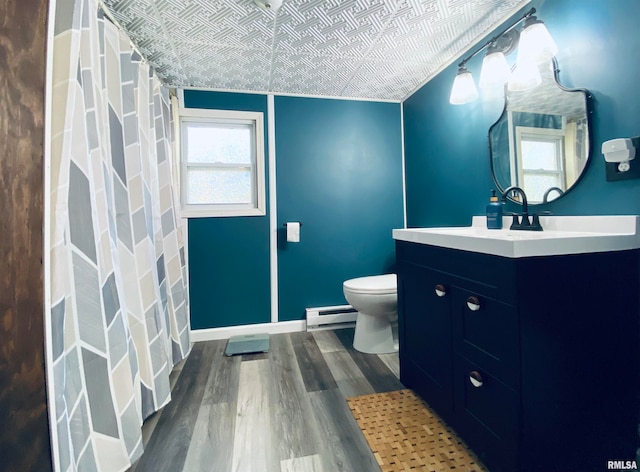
(619, 156)
(620, 151)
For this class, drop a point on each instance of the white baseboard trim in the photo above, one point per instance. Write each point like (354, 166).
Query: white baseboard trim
(210, 334)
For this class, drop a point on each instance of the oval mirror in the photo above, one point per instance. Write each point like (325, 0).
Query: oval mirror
(541, 142)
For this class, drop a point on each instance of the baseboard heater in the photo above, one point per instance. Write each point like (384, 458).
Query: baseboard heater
(331, 317)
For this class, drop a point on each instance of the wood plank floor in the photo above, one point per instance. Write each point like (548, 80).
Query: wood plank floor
(280, 411)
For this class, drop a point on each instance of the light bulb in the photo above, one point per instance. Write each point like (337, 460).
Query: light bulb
(524, 77)
(536, 44)
(464, 89)
(495, 70)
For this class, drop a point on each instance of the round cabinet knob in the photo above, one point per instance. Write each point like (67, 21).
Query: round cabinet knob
(441, 291)
(475, 378)
(473, 303)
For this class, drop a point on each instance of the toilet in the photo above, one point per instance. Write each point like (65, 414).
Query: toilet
(375, 299)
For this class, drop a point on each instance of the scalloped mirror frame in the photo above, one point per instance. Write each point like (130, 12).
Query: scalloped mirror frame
(503, 155)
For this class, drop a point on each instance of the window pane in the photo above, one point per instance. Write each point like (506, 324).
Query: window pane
(227, 186)
(539, 155)
(215, 142)
(536, 184)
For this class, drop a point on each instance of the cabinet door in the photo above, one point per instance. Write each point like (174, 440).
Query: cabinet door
(425, 343)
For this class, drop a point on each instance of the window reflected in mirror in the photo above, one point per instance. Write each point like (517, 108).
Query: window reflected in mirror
(541, 140)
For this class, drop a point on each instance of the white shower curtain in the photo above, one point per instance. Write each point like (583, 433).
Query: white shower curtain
(118, 284)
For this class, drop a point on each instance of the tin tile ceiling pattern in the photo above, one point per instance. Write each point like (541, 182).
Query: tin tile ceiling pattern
(372, 49)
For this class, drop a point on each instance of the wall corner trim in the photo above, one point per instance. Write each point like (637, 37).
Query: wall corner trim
(273, 209)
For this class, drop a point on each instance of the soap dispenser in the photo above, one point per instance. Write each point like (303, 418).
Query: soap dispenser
(494, 212)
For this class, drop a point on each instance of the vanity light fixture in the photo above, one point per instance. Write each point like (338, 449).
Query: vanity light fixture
(536, 44)
(538, 47)
(495, 70)
(524, 76)
(464, 89)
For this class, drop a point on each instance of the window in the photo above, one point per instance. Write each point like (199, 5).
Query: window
(222, 155)
(540, 160)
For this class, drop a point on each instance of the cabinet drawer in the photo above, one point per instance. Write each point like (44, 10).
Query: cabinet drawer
(487, 416)
(494, 276)
(486, 331)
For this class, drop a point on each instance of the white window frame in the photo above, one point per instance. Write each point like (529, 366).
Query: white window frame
(258, 206)
(548, 135)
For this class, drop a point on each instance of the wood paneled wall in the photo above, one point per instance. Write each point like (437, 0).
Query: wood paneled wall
(24, 427)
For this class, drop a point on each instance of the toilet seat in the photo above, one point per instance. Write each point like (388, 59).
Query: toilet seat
(374, 285)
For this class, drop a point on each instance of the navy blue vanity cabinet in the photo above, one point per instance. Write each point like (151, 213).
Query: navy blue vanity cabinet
(533, 361)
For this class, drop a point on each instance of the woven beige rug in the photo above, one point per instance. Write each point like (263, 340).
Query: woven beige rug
(405, 435)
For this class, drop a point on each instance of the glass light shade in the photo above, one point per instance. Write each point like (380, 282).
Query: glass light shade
(524, 77)
(495, 70)
(536, 44)
(464, 89)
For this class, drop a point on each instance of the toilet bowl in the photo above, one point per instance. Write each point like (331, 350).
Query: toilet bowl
(375, 299)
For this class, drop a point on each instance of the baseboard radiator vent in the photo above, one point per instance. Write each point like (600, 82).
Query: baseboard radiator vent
(331, 317)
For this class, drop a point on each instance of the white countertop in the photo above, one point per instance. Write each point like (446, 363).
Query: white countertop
(561, 235)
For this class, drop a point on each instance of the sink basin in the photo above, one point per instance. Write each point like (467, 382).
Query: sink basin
(561, 235)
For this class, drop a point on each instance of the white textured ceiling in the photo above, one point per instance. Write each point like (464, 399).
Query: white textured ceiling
(374, 49)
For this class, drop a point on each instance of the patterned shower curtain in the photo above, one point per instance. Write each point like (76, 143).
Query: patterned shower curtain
(119, 317)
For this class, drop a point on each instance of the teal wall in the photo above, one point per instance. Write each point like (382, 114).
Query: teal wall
(339, 172)
(446, 146)
(229, 257)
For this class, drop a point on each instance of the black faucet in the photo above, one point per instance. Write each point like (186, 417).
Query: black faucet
(545, 198)
(523, 224)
